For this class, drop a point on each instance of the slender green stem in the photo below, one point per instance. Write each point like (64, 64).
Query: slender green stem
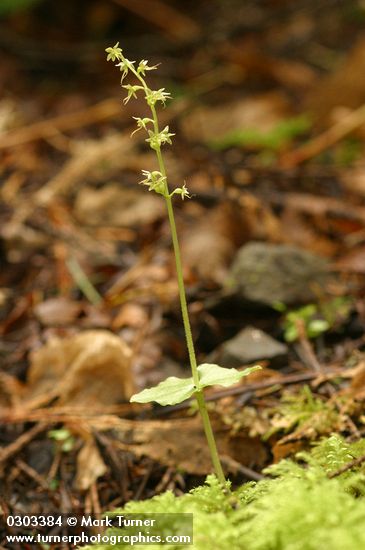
(184, 307)
(179, 270)
(190, 344)
(183, 303)
(83, 282)
(210, 437)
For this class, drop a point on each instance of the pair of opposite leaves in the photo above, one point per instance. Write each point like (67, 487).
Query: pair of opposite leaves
(174, 390)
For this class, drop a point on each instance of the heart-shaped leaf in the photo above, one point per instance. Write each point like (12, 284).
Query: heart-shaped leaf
(169, 392)
(214, 375)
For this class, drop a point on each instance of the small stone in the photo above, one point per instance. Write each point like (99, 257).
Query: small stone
(248, 346)
(270, 273)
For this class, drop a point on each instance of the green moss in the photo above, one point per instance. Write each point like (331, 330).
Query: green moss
(298, 507)
(303, 411)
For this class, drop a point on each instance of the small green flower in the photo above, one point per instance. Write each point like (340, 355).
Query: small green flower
(183, 191)
(142, 123)
(143, 67)
(132, 92)
(114, 53)
(123, 69)
(156, 140)
(166, 136)
(153, 96)
(125, 66)
(155, 180)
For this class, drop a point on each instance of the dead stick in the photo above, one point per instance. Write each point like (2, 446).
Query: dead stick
(30, 472)
(59, 414)
(173, 22)
(238, 467)
(49, 128)
(348, 466)
(19, 443)
(309, 355)
(344, 127)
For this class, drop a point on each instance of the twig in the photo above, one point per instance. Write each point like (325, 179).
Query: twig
(138, 494)
(19, 443)
(164, 481)
(306, 346)
(30, 472)
(173, 22)
(114, 459)
(53, 126)
(95, 502)
(62, 414)
(238, 467)
(316, 205)
(344, 127)
(55, 465)
(348, 466)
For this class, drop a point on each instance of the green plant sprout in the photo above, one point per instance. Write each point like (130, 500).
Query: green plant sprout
(317, 319)
(172, 390)
(313, 325)
(64, 438)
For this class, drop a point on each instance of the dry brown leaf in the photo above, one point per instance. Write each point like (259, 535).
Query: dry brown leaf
(354, 180)
(118, 206)
(181, 443)
(95, 317)
(21, 241)
(248, 54)
(303, 233)
(130, 315)
(90, 367)
(9, 115)
(208, 245)
(90, 466)
(176, 24)
(88, 157)
(358, 384)
(345, 87)
(11, 390)
(208, 254)
(353, 261)
(356, 390)
(281, 451)
(262, 113)
(261, 221)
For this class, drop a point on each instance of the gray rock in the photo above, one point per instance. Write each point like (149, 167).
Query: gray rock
(269, 273)
(248, 346)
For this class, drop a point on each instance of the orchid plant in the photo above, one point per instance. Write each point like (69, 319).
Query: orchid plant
(173, 390)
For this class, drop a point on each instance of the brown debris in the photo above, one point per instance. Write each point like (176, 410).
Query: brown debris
(178, 435)
(92, 367)
(90, 466)
(342, 87)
